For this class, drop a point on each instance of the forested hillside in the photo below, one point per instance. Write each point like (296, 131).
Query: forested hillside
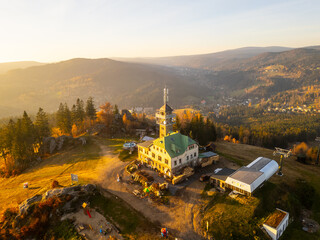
(126, 84)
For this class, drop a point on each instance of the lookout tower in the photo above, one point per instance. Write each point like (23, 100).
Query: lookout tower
(165, 117)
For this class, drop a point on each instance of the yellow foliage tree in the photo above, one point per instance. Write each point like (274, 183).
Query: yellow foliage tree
(301, 148)
(56, 132)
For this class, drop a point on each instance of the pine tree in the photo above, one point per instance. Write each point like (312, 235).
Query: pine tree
(64, 121)
(80, 113)
(41, 125)
(67, 119)
(90, 109)
(74, 114)
(116, 109)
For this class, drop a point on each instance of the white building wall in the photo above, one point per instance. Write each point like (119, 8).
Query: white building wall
(271, 231)
(257, 182)
(270, 169)
(183, 157)
(238, 184)
(276, 233)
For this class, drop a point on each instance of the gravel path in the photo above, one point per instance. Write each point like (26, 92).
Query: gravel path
(178, 217)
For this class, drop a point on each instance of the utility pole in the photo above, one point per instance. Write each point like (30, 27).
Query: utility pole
(284, 153)
(318, 140)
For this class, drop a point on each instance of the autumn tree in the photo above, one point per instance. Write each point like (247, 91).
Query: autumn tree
(105, 114)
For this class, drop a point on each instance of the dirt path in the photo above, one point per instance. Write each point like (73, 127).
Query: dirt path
(177, 217)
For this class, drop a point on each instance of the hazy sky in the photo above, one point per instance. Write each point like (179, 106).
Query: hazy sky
(53, 30)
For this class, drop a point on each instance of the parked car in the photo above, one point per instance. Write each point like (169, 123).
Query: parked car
(204, 178)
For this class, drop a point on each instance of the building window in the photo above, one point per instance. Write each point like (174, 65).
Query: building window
(166, 161)
(159, 158)
(195, 154)
(157, 149)
(191, 156)
(160, 150)
(175, 163)
(187, 158)
(180, 161)
(153, 155)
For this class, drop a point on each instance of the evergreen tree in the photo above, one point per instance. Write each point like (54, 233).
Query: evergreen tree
(116, 109)
(64, 121)
(80, 113)
(41, 125)
(74, 114)
(90, 109)
(67, 119)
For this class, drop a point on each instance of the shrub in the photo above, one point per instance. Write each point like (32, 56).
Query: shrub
(55, 184)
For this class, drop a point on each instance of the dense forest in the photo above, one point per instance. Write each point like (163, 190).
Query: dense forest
(256, 126)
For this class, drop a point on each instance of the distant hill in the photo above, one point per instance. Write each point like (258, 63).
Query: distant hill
(269, 73)
(240, 73)
(5, 67)
(211, 61)
(125, 84)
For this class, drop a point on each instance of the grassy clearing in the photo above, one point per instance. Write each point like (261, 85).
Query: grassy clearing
(81, 160)
(116, 144)
(228, 219)
(125, 156)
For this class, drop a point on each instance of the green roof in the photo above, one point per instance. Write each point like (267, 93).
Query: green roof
(174, 143)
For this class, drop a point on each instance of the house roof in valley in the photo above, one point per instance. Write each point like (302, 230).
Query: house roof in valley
(174, 143)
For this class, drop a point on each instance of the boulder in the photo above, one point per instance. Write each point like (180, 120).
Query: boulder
(62, 191)
(82, 140)
(89, 188)
(24, 206)
(62, 141)
(49, 145)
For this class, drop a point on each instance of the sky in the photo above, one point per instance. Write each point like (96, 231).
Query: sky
(55, 30)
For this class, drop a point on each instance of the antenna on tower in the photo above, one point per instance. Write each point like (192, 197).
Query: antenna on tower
(165, 95)
(284, 153)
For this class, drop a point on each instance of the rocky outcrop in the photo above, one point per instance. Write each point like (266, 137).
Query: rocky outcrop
(51, 144)
(25, 206)
(75, 192)
(63, 141)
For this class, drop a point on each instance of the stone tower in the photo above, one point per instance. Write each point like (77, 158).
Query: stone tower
(165, 117)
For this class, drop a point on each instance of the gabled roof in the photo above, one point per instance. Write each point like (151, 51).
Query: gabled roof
(174, 143)
(207, 154)
(223, 174)
(166, 108)
(246, 175)
(146, 143)
(259, 163)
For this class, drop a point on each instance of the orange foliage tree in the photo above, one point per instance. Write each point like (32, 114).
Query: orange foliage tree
(105, 115)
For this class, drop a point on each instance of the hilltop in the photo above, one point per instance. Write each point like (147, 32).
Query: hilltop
(5, 67)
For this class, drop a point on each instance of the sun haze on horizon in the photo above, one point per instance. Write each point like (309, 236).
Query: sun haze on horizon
(50, 31)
